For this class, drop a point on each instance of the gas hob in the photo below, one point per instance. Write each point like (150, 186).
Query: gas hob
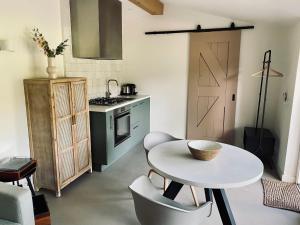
(108, 101)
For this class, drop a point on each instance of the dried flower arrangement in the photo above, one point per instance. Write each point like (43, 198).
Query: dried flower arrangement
(42, 43)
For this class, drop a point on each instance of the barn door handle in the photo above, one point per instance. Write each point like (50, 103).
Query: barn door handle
(233, 97)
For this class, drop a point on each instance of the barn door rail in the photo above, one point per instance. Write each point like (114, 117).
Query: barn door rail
(199, 29)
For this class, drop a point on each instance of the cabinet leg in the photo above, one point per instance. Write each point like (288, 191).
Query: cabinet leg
(36, 188)
(90, 170)
(58, 194)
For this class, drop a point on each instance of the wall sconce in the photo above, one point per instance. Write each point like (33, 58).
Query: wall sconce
(6, 45)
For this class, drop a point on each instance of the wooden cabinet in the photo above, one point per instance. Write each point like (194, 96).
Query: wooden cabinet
(59, 132)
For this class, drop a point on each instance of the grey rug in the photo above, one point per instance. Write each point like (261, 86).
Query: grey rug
(281, 195)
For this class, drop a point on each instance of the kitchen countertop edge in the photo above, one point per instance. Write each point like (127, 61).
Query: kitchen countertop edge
(102, 108)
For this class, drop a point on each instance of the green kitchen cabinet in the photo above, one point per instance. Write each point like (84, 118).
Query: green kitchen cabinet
(104, 151)
(102, 137)
(140, 122)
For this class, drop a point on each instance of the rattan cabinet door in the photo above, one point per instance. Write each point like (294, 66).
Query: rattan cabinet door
(64, 129)
(81, 113)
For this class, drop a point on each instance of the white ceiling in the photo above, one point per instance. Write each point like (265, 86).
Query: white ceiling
(279, 11)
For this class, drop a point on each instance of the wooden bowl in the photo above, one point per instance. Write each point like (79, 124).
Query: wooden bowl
(204, 150)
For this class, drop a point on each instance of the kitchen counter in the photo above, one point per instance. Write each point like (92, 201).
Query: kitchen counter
(104, 108)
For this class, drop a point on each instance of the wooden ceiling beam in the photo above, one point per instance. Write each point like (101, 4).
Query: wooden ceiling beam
(154, 7)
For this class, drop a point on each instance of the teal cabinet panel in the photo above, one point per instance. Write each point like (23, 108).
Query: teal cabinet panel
(135, 110)
(145, 116)
(140, 120)
(110, 137)
(98, 139)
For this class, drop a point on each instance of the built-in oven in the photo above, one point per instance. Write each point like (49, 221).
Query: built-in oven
(122, 124)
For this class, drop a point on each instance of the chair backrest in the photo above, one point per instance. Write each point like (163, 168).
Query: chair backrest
(155, 138)
(154, 209)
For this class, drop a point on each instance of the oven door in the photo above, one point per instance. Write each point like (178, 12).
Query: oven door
(122, 127)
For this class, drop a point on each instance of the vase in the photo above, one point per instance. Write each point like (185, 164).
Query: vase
(51, 69)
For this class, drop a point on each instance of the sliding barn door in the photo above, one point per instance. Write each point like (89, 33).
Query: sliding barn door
(212, 85)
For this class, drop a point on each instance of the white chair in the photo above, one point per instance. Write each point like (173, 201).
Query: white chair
(154, 209)
(15, 206)
(155, 138)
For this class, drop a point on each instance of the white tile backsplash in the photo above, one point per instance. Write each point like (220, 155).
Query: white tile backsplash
(97, 72)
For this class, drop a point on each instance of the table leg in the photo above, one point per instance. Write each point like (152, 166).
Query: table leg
(172, 190)
(208, 195)
(30, 186)
(223, 207)
(220, 197)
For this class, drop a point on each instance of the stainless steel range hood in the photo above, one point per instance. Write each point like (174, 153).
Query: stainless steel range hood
(96, 29)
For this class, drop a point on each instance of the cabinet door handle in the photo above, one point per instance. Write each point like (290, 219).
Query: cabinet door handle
(73, 119)
(135, 127)
(142, 103)
(110, 122)
(134, 106)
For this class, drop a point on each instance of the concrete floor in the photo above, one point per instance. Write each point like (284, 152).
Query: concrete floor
(104, 199)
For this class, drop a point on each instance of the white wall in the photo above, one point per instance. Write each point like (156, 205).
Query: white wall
(159, 64)
(253, 45)
(17, 18)
(288, 114)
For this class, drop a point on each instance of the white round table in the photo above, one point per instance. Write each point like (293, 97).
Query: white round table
(233, 167)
